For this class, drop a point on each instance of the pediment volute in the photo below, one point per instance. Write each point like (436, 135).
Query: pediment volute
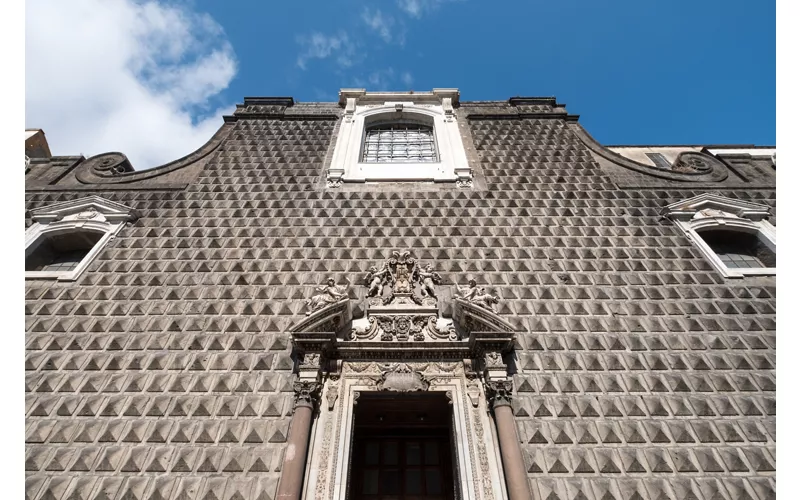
(708, 205)
(90, 208)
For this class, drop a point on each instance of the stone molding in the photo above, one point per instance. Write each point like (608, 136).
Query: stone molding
(435, 108)
(712, 211)
(92, 213)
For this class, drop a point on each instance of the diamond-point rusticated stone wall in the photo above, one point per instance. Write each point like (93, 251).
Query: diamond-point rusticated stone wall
(165, 371)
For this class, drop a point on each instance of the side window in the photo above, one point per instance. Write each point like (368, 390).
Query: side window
(66, 237)
(735, 236)
(739, 250)
(60, 252)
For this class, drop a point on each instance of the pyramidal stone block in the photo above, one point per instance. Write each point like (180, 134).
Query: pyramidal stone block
(167, 370)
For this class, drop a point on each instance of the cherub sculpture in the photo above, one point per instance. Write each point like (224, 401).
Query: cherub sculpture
(428, 278)
(468, 292)
(485, 299)
(376, 279)
(329, 293)
(478, 296)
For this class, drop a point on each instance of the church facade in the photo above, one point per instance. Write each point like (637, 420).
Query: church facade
(402, 295)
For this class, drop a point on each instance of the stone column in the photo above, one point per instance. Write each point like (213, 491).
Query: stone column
(294, 461)
(513, 464)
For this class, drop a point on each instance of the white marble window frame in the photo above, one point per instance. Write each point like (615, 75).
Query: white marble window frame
(39, 231)
(762, 228)
(346, 164)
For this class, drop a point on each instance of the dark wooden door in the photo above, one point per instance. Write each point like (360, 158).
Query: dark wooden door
(416, 466)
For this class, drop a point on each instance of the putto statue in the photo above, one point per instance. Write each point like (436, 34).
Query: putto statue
(329, 293)
(375, 280)
(478, 296)
(429, 277)
(407, 282)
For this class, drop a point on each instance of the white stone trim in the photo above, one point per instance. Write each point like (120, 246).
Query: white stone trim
(743, 151)
(432, 108)
(712, 211)
(479, 467)
(92, 213)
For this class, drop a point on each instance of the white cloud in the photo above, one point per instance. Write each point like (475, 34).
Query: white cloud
(320, 46)
(383, 79)
(122, 75)
(379, 23)
(416, 8)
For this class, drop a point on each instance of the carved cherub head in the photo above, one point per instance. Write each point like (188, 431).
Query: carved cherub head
(373, 269)
(429, 268)
(331, 282)
(473, 283)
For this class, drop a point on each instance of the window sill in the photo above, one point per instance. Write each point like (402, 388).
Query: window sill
(51, 275)
(744, 272)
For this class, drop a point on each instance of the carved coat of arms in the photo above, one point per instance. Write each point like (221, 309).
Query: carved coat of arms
(400, 377)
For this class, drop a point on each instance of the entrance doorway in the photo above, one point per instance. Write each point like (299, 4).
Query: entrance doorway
(402, 448)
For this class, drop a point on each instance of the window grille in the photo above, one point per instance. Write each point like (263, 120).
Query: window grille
(63, 252)
(739, 250)
(399, 143)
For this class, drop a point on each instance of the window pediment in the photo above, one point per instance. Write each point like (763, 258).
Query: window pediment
(733, 235)
(64, 238)
(91, 208)
(714, 205)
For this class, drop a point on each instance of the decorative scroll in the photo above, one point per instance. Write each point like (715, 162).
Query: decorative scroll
(403, 328)
(693, 163)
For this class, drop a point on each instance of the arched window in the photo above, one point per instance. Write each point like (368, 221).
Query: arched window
(65, 237)
(60, 252)
(399, 143)
(737, 249)
(399, 137)
(734, 235)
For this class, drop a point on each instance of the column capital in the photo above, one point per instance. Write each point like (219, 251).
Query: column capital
(500, 392)
(306, 393)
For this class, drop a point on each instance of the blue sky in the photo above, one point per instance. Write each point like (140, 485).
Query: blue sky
(637, 72)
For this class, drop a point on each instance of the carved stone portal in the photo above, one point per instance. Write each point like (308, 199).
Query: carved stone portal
(400, 342)
(480, 472)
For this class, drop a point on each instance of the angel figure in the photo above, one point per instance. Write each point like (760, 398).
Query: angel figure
(375, 280)
(486, 300)
(329, 293)
(429, 277)
(468, 292)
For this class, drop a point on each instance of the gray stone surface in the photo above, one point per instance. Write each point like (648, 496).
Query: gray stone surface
(165, 371)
